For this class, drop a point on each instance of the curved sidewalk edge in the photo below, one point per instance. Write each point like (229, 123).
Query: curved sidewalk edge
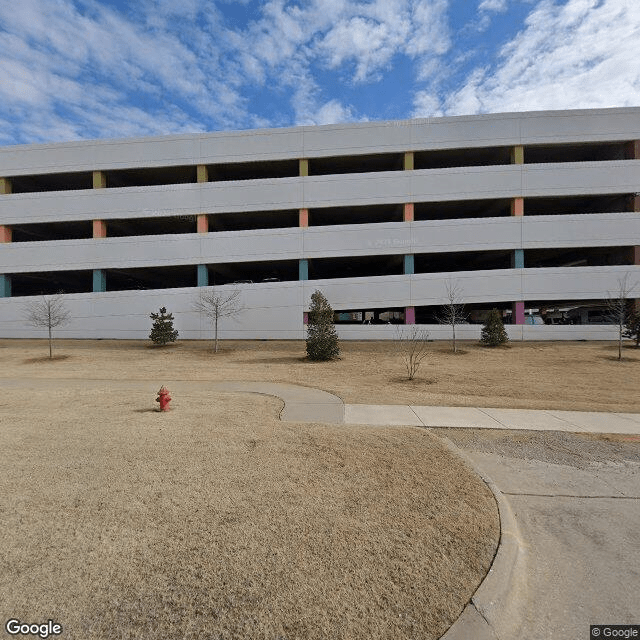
(301, 404)
(496, 608)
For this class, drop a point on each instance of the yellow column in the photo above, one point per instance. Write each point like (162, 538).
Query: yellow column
(408, 161)
(202, 173)
(517, 154)
(304, 167)
(99, 180)
(5, 186)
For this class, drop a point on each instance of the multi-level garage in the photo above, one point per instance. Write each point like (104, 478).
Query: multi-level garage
(537, 214)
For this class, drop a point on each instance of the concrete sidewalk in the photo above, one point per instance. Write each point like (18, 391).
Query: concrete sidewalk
(483, 418)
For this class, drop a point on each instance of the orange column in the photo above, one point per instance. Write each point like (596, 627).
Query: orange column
(517, 259)
(303, 218)
(5, 233)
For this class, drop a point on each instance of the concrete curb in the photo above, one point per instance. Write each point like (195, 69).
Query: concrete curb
(495, 609)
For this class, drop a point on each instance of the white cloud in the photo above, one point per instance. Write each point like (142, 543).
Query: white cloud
(493, 5)
(581, 54)
(330, 112)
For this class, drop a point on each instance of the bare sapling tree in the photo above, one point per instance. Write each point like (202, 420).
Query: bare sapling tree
(48, 313)
(217, 305)
(412, 345)
(453, 313)
(619, 307)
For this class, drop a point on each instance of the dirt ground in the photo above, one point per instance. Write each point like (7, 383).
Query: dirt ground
(582, 376)
(218, 521)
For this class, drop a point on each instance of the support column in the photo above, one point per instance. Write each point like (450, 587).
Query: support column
(99, 280)
(305, 317)
(408, 161)
(303, 270)
(303, 166)
(517, 206)
(633, 150)
(99, 180)
(517, 154)
(409, 265)
(303, 217)
(517, 259)
(5, 186)
(99, 229)
(408, 212)
(410, 315)
(5, 233)
(5, 285)
(517, 313)
(202, 223)
(202, 173)
(203, 275)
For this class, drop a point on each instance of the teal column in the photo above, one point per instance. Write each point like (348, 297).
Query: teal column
(5, 286)
(99, 280)
(517, 259)
(203, 275)
(409, 265)
(303, 270)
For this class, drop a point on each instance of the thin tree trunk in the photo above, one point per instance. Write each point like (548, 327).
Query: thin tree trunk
(216, 336)
(50, 347)
(454, 337)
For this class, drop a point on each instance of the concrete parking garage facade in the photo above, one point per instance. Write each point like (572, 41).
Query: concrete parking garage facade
(537, 214)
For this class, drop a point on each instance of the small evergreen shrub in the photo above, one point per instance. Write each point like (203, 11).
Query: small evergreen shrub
(322, 339)
(493, 332)
(162, 330)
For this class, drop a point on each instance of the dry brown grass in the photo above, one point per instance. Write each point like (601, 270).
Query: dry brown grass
(216, 520)
(562, 375)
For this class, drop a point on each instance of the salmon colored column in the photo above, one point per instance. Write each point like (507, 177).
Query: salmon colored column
(202, 223)
(5, 233)
(99, 229)
(303, 218)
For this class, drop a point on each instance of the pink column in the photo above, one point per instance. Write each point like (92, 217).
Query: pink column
(518, 312)
(5, 233)
(305, 317)
(410, 315)
(303, 217)
(99, 229)
(517, 207)
(203, 223)
(408, 212)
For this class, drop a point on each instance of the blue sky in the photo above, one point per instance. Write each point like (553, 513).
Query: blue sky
(82, 69)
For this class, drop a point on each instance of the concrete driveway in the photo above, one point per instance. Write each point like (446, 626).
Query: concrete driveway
(576, 501)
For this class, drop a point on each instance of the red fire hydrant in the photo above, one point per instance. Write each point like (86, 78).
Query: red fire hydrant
(163, 398)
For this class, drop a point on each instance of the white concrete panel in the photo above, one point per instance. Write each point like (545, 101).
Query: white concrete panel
(467, 131)
(583, 125)
(466, 183)
(351, 293)
(357, 188)
(358, 139)
(584, 230)
(475, 286)
(472, 234)
(358, 239)
(575, 283)
(575, 178)
(251, 146)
